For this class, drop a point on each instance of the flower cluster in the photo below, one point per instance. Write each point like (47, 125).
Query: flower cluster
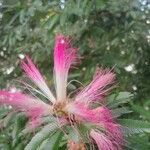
(87, 107)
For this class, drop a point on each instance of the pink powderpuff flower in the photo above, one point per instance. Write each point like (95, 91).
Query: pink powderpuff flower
(103, 129)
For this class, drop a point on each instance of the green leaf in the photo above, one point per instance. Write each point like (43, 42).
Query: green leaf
(130, 131)
(52, 143)
(138, 142)
(44, 144)
(55, 140)
(118, 99)
(120, 111)
(41, 136)
(141, 111)
(3, 111)
(135, 124)
(73, 134)
(9, 118)
(20, 121)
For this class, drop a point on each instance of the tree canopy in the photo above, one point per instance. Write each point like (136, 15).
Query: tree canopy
(108, 33)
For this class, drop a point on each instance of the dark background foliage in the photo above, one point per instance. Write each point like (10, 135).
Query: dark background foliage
(109, 33)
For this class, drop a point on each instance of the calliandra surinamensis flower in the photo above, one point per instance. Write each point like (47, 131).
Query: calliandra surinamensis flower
(87, 108)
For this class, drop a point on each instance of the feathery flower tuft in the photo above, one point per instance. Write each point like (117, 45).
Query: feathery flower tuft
(98, 88)
(64, 57)
(33, 73)
(103, 142)
(69, 113)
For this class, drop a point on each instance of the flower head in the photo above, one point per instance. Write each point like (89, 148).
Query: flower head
(69, 112)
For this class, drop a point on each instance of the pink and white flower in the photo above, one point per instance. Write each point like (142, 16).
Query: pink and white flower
(104, 131)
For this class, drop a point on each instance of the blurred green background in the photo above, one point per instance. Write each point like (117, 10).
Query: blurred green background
(109, 33)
